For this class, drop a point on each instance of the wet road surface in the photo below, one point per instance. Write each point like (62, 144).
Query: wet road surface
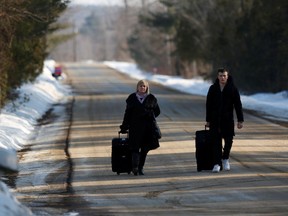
(67, 169)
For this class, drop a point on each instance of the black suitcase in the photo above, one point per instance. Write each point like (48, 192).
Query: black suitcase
(204, 151)
(121, 157)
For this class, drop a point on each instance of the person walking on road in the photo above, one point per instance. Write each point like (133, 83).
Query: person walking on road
(141, 110)
(222, 98)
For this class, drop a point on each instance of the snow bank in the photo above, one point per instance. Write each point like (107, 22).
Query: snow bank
(273, 106)
(9, 205)
(18, 120)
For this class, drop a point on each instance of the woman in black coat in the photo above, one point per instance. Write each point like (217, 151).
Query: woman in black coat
(222, 98)
(141, 110)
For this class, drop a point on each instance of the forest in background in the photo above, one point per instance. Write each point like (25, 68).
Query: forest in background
(24, 26)
(190, 38)
(186, 38)
(249, 37)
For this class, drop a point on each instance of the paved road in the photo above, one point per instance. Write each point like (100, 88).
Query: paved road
(54, 182)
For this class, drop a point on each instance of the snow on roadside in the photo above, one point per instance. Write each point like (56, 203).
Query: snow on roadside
(18, 121)
(273, 106)
(9, 205)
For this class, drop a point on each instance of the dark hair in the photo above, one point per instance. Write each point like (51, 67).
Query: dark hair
(222, 70)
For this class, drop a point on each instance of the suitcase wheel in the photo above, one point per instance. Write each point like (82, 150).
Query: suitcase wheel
(118, 173)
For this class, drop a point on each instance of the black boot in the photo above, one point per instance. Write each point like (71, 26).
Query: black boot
(135, 163)
(142, 159)
(135, 171)
(140, 171)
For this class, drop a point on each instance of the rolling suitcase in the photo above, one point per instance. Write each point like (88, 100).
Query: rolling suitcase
(204, 151)
(121, 157)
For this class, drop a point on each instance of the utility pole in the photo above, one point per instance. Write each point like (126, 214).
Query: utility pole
(168, 49)
(126, 5)
(144, 6)
(126, 17)
(75, 32)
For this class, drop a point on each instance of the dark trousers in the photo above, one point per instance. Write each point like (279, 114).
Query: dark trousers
(139, 158)
(219, 152)
(227, 147)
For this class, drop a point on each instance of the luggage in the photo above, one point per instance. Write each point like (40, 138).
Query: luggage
(204, 151)
(121, 156)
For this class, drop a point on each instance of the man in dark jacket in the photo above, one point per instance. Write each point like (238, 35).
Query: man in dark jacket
(222, 98)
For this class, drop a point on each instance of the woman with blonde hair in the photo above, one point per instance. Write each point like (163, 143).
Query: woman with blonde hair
(141, 110)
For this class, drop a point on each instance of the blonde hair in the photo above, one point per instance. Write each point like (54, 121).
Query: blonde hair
(143, 82)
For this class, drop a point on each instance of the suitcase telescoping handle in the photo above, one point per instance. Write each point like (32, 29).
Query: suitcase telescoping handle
(120, 132)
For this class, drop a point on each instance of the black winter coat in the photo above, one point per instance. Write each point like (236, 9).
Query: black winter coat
(220, 107)
(138, 119)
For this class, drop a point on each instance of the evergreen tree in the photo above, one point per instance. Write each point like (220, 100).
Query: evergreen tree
(247, 36)
(24, 25)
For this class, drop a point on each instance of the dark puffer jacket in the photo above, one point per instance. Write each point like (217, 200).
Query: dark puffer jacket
(138, 119)
(220, 106)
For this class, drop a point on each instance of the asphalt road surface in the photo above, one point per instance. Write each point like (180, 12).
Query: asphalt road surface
(67, 168)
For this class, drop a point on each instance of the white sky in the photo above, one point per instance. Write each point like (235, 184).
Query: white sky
(98, 2)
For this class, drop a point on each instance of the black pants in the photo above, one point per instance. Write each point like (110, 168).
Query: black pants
(228, 140)
(219, 152)
(139, 158)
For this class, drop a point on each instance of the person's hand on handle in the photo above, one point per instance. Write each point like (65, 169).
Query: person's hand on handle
(240, 125)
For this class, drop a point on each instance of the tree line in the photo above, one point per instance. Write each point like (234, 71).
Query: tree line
(192, 37)
(24, 26)
(187, 38)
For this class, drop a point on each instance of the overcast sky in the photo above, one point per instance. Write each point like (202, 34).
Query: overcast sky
(98, 2)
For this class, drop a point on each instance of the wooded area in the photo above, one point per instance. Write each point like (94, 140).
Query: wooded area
(249, 37)
(24, 26)
(186, 38)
